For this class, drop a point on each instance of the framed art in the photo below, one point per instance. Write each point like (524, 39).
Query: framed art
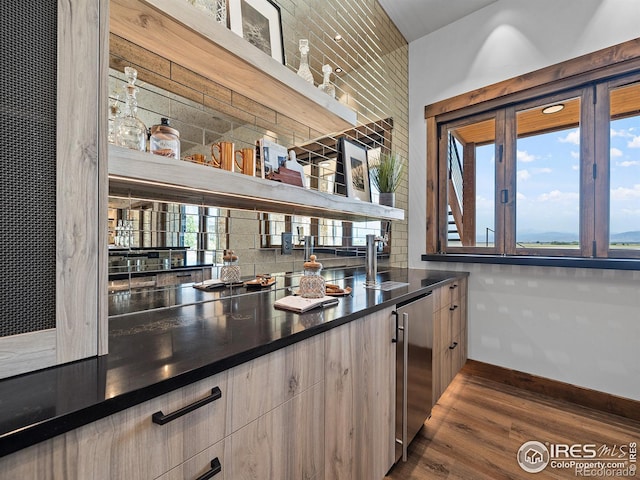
(356, 170)
(259, 22)
(273, 156)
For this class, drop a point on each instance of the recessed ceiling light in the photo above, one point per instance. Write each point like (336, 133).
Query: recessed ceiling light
(338, 70)
(337, 37)
(325, 164)
(553, 108)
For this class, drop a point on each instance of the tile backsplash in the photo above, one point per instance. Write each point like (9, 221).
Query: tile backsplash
(374, 82)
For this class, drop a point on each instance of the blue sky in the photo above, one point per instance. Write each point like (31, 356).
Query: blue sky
(548, 181)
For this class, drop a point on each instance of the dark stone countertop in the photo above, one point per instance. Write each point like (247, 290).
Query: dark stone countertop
(186, 340)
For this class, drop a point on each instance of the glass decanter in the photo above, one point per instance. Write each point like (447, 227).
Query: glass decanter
(114, 115)
(131, 132)
(326, 86)
(303, 70)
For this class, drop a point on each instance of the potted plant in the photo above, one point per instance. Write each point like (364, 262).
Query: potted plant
(385, 174)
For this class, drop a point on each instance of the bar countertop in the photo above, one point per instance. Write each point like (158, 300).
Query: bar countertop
(190, 335)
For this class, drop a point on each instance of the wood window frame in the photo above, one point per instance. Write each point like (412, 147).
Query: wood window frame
(597, 73)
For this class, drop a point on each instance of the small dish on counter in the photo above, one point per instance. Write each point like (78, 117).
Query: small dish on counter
(209, 285)
(333, 290)
(261, 281)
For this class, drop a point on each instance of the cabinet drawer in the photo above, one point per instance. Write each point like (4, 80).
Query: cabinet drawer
(205, 464)
(140, 448)
(447, 324)
(450, 294)
(260, 385)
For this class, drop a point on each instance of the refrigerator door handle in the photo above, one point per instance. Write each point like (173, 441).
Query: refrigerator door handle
(405, 361)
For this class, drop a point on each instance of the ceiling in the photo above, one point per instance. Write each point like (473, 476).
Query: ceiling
(417, 18)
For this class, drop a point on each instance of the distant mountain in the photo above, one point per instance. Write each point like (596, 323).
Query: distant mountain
(546, 237)
(626, 237)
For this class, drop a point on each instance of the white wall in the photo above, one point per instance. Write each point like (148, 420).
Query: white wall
(573, 325)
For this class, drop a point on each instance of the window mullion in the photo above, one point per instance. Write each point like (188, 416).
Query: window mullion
(587, 169)
(505, 181)
(601, 149)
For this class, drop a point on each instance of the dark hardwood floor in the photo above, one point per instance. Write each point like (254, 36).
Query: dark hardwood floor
(478, 426)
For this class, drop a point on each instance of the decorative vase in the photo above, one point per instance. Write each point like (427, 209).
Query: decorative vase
(387, 198)
(303, 70)
(130, 131)
(326, 86)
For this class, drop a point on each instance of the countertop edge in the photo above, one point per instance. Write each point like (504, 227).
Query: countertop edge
(30, 435)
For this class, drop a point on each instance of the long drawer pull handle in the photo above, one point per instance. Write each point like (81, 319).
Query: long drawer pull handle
(453, 345)
(216, 468)
(453, 308)
(160, 418)
(184, 275)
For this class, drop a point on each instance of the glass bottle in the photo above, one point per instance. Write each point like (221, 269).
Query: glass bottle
(114, 115)
(165, 140)
(230, 272)
(303, 70)
(312, 285)
(326, 86)
(131, 132)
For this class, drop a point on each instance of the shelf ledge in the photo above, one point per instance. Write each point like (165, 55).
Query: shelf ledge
(181, 33)
(159, 178)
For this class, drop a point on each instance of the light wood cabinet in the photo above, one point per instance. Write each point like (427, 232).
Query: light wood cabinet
(285, 443)
(78, 148)
(360, 398)
(449, 333)
(268, 422)
(258, 386)
(129, 444)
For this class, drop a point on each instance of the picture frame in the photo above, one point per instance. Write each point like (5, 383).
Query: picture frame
(260, 23)
(355, 166)
(273, 156)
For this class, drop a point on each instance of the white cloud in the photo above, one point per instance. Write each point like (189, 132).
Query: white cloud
(620, 133)
(523, 175)
(623, 193)
(635, 143)
(575, 154)
(557, 195)
(520, 197)
(575, 167)
(572, 137)
(615, 152)
(525, 157)
(542, 170)
(628, 163)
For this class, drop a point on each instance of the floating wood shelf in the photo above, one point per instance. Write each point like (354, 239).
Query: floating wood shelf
(154, 177)
(185, 35)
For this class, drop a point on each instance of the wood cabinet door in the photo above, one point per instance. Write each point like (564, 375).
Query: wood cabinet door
(63, 281)
(260, 385)
(360, 398)
(285, 443)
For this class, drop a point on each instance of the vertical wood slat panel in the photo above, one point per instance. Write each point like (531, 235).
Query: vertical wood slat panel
(601, 152)
(103, 182)
(587, 182)
(431, 182)
(78, 210)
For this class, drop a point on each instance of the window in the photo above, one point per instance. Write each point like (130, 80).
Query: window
(624, 170)
(549, 168)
